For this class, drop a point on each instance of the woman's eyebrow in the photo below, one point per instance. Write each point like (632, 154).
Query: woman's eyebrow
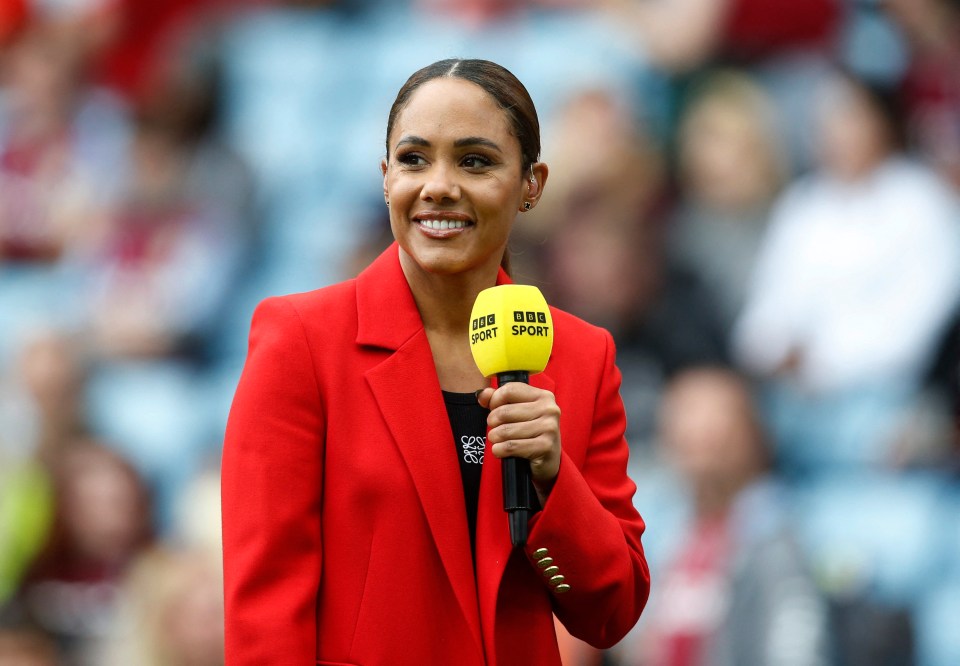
(414, 140)
(459, 143)
(476, 141)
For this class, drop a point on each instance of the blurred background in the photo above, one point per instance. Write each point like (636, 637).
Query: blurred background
(758, 198)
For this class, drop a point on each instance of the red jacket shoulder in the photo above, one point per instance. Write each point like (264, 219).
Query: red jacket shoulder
(328, 309)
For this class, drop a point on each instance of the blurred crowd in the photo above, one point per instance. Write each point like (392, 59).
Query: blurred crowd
(758, 198)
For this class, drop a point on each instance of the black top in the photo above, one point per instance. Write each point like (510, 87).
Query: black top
(468, 420)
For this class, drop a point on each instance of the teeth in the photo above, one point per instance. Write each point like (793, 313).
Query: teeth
(440, 225)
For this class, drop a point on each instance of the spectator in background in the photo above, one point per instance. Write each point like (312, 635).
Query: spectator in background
(60, 145)
(731, 165)
(737, 591)
(102, 520)
(41, 413)
(172, 599)
(175, 602)
(856, 279)
(52, 373)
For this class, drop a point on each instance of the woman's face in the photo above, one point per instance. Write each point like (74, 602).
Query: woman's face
(454, 179)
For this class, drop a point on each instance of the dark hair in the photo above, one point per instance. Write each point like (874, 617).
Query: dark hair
(498, 82)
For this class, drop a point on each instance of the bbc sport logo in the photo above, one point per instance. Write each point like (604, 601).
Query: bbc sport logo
(483, 321)
(530, 317)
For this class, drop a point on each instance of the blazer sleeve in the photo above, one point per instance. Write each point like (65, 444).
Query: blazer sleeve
(272, 473)
(591, 529)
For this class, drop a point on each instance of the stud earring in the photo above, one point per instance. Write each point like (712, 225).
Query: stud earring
(527, 205)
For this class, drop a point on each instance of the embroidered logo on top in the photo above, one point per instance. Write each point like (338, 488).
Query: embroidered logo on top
(472, 447)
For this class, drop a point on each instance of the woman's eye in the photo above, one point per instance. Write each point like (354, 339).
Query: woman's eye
(475, 162)
(411, 159)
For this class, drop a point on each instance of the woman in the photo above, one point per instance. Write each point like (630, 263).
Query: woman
(346, 537)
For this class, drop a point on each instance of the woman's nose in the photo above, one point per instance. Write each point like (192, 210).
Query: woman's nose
(440, 185)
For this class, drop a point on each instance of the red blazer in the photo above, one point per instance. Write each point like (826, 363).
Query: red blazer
(344, 528)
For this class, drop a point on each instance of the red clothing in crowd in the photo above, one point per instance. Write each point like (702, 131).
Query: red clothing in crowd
(12, 15)
(695, 593)
(147, 31)
(758, 28)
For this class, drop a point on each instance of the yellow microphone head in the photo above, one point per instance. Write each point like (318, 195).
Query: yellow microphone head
(510, 330)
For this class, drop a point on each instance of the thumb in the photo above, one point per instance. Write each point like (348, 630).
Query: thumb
(484, 396)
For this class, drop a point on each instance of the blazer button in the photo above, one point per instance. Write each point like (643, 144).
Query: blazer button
(550, 571)
(540, 553)
(557, 580)
(561, 588)
(545, 562)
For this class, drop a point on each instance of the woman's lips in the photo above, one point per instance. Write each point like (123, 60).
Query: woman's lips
(442, 226)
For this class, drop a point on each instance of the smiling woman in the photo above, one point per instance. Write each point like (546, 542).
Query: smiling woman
(361, 474)
(462, 140)
(454, 173)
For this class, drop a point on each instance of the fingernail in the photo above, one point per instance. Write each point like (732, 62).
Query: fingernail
(477, 393)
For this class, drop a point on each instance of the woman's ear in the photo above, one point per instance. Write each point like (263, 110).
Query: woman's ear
(536, 179)
(383, 170)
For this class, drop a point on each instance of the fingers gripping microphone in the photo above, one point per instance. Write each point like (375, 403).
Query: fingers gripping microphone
(511, 336)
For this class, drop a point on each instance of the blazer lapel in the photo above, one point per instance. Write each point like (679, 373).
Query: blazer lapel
(408, 394)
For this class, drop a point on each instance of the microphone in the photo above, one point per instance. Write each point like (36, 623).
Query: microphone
(511, 336)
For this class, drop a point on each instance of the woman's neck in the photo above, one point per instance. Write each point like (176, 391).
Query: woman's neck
(445, 303)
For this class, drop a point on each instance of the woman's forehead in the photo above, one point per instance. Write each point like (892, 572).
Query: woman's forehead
(449, 109)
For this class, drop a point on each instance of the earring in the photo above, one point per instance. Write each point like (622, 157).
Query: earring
(388, 202)
(527, 205)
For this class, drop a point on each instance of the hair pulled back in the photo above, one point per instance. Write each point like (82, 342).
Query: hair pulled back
(498, 82)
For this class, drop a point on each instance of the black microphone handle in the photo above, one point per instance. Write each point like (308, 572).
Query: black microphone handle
(517, 487)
